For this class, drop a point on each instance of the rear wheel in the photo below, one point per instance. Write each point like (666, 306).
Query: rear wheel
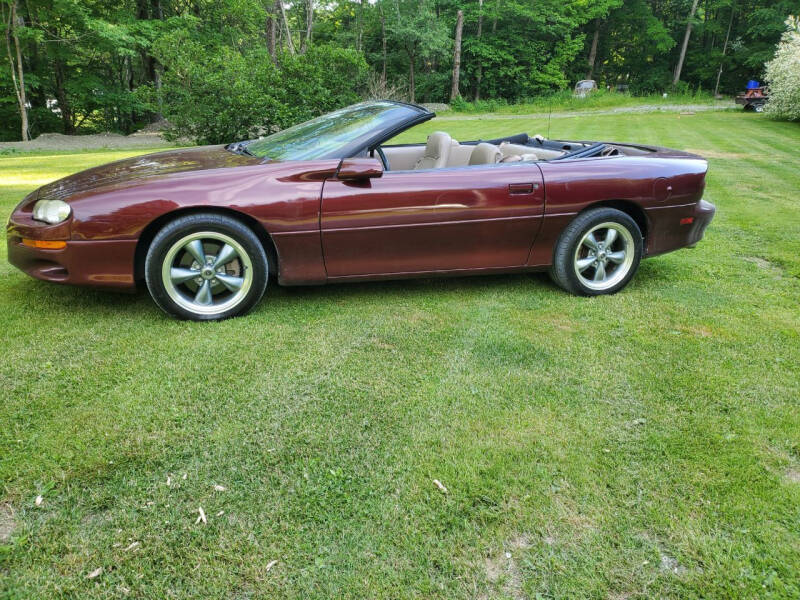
(598, 253)
(206, 267)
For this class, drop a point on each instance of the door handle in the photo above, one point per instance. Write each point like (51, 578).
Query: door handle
(522, 188)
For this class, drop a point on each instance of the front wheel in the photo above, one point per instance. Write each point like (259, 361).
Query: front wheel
(206, 267)
(598, 253)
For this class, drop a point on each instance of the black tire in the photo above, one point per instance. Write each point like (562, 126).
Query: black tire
(569, 248)
(248, 268)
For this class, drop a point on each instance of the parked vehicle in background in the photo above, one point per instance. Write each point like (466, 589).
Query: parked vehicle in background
(755, 98)
(585, 87)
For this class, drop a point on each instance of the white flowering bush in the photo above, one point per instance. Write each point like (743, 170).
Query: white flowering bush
(783, 77)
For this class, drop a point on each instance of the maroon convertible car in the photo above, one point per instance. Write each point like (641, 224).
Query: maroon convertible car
(328, 200)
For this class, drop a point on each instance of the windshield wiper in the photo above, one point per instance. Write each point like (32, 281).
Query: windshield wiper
(240, 148)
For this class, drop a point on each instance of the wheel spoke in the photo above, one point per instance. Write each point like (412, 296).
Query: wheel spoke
(180, 275)
(234, 284)
(195, 248)
(584, 263)
(203, 295)
(616, 257)
(610, 237)
(600, 272)
(226, 255)
(591, 241)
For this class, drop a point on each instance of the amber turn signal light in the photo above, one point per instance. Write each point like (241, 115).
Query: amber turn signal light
(44, 244)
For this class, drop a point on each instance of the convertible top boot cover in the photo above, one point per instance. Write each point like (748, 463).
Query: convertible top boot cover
(437, 151)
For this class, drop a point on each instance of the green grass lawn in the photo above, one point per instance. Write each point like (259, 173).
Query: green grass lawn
(642, 445)
(599, 100)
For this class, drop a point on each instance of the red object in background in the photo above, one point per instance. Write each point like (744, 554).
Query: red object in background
(754, 99)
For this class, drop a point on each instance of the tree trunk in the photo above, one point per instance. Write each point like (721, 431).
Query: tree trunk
(724, 49)
(128, 128)
(494, 19)
(383, 39)
(412, 54)
(272, 30)
(593, 50)
(686, 36)
(61, 97)
(454, 93)
(306, 43)
(17, 71)
(157, 82)
(289, 43)
(360, 25)
(479, 74)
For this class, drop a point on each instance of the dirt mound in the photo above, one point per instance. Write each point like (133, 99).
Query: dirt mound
(153, 128)
(58, 141)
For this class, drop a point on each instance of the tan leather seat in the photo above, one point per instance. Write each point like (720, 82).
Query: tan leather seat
(485, 154)
(437, 151)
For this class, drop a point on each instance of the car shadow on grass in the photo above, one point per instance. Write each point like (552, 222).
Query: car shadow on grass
(138, 305)
(410, 290)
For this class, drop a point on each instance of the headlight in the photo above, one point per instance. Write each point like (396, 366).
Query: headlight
(51, 211)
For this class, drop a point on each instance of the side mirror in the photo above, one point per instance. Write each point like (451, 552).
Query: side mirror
(359, 169)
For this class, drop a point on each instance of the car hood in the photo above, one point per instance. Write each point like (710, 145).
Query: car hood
(142, 169)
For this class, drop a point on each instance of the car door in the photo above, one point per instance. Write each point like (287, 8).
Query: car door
(478, 217)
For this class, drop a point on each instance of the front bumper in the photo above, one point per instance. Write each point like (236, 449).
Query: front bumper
(97, 263)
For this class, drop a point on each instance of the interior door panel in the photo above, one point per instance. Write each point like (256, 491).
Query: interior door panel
(433, 220)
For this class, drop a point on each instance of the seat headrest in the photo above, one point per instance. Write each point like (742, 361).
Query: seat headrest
(437, 150)
(437, 143)
(485, 154)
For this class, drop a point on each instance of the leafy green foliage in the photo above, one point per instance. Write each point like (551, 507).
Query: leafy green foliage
(96, 66)
(230, 95)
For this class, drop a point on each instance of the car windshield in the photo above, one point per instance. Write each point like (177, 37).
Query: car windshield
(327, 136)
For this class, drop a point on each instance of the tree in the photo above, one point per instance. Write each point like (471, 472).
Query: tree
(685, 44)
(83, 66)
(309, 4)
(454, 93)
(12, 24)
(725, 48)
(478, 36)
(287, 30)
(414, 28)
(593, 50)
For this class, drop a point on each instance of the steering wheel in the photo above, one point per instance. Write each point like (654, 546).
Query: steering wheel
(382, 156)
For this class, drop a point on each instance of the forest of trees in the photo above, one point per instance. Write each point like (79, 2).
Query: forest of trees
(222, 68)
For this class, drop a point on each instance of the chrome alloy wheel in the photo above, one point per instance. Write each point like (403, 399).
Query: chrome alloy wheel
(604, 256)
(207, 272)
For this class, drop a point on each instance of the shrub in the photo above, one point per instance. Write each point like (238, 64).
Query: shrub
(230, 96)
(783, 77)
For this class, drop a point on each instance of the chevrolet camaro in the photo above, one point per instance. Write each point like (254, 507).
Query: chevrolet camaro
(331, 200)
